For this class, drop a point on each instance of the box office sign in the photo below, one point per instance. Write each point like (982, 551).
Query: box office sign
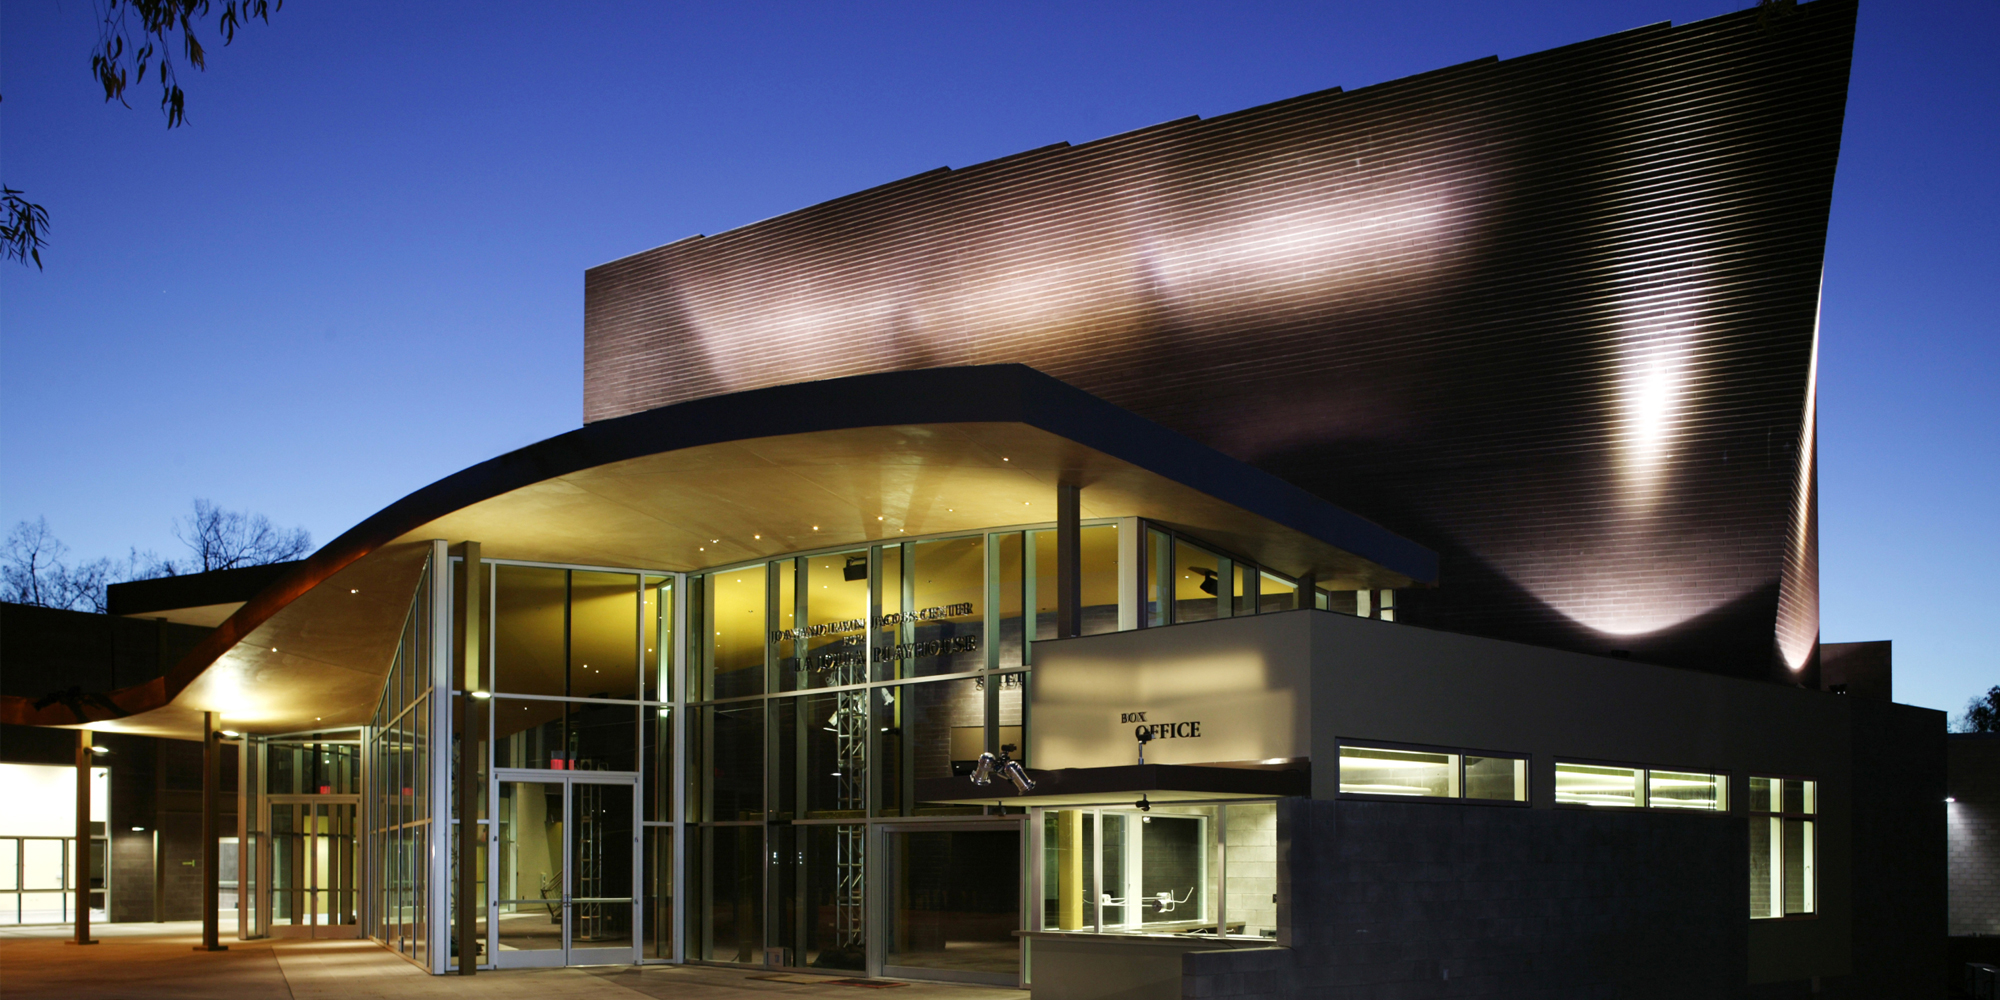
(1209, 695)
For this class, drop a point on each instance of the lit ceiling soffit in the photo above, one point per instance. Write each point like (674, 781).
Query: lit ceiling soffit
(729, 478)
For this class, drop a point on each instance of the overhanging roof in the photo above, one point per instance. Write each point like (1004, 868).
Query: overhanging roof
(734, 478)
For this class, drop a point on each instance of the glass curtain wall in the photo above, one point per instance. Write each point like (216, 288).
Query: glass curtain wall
(578, 666)
(1187, 580)
(825, 692)
(399, 794)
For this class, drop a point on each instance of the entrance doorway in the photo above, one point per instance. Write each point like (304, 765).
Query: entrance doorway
(309, 867)
(565, 865)
(954, 901)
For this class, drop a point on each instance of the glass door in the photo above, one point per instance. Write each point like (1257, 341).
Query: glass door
(565, 869)
(953, 902)
(307, 871)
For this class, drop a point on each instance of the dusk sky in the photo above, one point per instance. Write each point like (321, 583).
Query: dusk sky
(360, 267)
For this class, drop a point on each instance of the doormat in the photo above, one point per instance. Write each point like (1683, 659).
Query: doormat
(794, 977)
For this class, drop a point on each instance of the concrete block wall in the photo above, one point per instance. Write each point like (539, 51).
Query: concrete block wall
(1972, 832)
(1395, 899)
(1253, 867)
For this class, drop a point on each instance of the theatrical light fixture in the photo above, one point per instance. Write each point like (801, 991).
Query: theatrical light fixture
(856, 569)
(1207, 579)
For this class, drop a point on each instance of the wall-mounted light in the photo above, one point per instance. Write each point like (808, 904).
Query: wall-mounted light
(1951, 798)
(138, 829)
(100, 750)
(229, 734)
(482, 695)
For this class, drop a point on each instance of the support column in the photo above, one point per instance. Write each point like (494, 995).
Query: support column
(1308, 595)
(211, 836)
(82, 871)
(1069, 561)
(468, 601)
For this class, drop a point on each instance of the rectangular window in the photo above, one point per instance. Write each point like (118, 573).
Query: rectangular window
(1196, 583)
(1435, 774)
(1687, 790)
(1159, 578)
(733, 656)
(1369, 771)
(1502, 779)
(1594, 785)
(1782, 812)
(1276, 593)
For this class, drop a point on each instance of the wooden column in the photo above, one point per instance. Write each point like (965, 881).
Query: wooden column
(82, 871)
(1069, 561)
(211, 836)
(468, 601)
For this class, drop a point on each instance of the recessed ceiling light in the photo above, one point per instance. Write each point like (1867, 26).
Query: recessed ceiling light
(757, 536)
(1003, 460)
(354, 591)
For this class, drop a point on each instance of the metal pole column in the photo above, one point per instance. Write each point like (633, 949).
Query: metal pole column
(1069, 561)
(468, 600)
(82, 867)
(211, 836)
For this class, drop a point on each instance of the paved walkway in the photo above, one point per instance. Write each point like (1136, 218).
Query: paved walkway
(157, 962)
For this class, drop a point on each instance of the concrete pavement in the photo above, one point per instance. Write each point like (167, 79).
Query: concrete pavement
(157, 962)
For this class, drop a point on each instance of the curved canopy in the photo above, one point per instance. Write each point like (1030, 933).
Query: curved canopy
(734, 478)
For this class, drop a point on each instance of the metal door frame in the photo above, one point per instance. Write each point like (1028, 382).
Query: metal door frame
(568, 954)
(264, 860)
(879, 901)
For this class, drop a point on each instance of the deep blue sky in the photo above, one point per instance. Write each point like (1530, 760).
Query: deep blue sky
(360, 268)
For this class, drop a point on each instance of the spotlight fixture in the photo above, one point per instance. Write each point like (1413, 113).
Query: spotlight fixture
(856, 569)
(1208, 578)
(1005, 766)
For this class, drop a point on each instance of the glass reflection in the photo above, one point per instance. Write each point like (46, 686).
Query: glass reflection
(733, 657)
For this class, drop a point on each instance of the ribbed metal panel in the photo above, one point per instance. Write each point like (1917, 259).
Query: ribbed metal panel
(1553, 316)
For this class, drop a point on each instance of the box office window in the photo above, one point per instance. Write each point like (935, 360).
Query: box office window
(1434, 774)
(1782, 827)
(1174, 868)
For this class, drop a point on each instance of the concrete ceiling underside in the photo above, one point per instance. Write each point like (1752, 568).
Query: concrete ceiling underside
(313, 649)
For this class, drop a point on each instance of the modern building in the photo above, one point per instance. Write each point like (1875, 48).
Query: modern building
(1363, 545)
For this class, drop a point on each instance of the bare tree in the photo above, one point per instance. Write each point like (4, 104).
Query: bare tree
(33, 571)
(228, 539)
